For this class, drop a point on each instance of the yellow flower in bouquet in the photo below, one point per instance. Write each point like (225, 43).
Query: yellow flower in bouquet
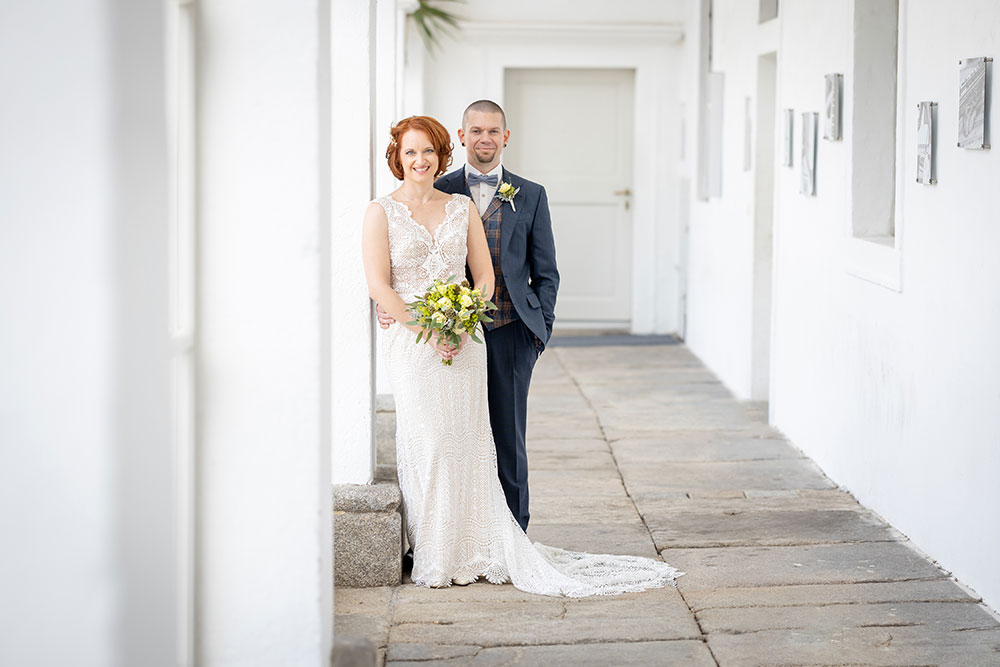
(447, 310)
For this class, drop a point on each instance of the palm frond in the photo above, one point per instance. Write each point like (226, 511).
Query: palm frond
(434, 21)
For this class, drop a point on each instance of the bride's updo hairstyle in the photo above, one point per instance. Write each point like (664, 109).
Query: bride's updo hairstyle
(429, 126)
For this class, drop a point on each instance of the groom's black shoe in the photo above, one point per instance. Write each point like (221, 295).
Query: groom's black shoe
(408, 561)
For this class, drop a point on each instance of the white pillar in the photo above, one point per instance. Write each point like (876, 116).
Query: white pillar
(390, 27)
(264, 542)
(412, 103)
(353, 43)
(87, 570)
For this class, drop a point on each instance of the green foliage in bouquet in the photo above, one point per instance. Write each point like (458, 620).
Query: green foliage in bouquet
(448, 310)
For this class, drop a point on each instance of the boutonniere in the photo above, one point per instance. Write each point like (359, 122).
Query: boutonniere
(506, 192)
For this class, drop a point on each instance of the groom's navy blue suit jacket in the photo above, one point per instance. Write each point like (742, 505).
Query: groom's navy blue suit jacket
(527, 250)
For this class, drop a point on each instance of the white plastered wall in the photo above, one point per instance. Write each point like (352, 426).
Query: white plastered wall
(86, 500)
(265, 515)
(888, 381)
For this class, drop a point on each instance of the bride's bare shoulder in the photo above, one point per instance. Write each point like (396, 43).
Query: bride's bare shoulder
(375, 215)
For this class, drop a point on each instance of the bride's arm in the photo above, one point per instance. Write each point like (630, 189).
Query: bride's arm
(478, 255)
(375, 255)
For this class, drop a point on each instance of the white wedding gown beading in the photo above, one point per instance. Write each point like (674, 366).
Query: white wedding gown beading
(457, 519)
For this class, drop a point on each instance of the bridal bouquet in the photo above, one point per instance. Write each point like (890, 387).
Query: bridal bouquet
(448, 310)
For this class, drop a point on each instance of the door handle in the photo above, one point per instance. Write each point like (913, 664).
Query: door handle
(626, 192)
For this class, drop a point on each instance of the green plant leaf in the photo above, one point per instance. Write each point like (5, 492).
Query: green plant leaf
(432, 21)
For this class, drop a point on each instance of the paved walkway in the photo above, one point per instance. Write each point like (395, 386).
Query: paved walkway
(640, 450)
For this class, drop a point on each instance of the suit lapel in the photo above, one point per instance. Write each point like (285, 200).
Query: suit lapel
(508, 226)
(464, 182)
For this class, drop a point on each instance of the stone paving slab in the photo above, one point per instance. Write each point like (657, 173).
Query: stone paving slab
(366, 601)
(630, 539)
(480, 592)
(816, 564)
(688, 448)
(450, 613)
(586, 460)
(688, 476)
(528, 629)
(563, 428)
(653, 506)
(680, 419)
(614, 432)
(817, 595)
(583, 509)
(857, 646)
(688, 653)
(767, 528)
(573, 483)
(555, 405)
(934, 618)
(565, 445)
(483, 591)
(372, 628)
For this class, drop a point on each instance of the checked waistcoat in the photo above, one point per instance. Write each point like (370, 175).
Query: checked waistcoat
(505, 313)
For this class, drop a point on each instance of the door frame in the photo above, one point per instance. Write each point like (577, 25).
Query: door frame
(654, 53)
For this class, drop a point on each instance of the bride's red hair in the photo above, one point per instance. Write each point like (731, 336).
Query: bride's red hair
(429, 126)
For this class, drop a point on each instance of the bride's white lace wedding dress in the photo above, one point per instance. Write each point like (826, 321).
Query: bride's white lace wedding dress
(457, 519)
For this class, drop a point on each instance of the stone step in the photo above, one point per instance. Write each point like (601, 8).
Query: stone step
(367, 534)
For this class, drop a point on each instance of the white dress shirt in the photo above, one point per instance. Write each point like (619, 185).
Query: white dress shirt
(482, 194)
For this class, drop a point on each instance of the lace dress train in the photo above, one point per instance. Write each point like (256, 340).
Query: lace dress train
(457, 518)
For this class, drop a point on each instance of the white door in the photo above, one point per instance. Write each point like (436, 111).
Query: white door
(571, 131)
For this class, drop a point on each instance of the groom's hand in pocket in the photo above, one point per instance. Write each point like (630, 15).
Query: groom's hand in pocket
(384, 318)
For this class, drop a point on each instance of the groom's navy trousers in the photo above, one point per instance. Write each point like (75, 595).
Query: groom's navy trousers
(510, 358)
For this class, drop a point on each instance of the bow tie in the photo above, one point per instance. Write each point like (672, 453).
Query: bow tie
(475, 178)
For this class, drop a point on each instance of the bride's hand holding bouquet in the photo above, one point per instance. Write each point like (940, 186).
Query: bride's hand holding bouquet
(450, 313)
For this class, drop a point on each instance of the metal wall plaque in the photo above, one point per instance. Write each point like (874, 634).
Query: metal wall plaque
(831, 113)
(972, 103)
(925, 143)
(810, 119)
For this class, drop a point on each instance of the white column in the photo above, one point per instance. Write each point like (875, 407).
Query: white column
(390, 24)
(264, 542)
(87, 568)
(412, 102)
(352, 111)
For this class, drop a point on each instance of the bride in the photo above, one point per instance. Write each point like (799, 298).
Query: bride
(457, 519)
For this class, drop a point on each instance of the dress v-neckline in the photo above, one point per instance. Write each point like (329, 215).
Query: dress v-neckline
(409, 216)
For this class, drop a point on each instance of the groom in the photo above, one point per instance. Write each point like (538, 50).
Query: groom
(519, 233)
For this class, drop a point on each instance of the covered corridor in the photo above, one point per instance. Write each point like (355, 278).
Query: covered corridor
(641, 450)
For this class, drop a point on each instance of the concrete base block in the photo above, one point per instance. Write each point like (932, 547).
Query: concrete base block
(385, 429)
(367, 535)
(353, 652)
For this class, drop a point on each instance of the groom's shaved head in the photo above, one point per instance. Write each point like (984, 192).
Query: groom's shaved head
(484, 106)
